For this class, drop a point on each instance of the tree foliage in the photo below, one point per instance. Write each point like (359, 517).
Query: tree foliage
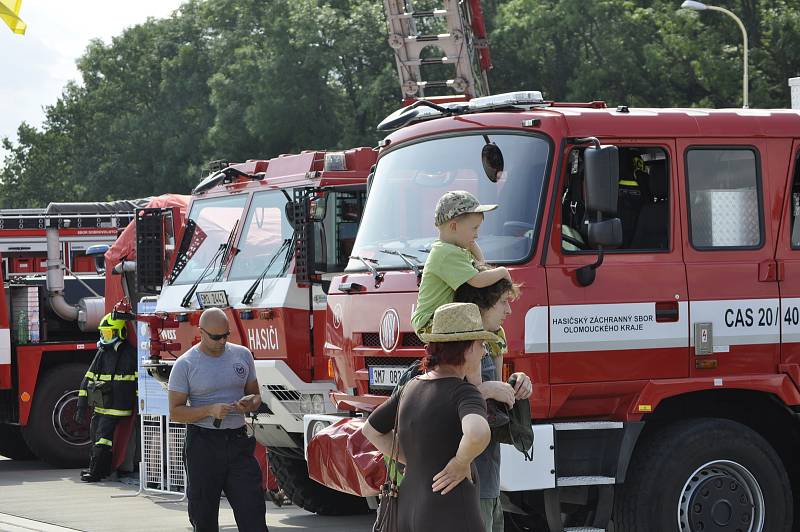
(238, 79)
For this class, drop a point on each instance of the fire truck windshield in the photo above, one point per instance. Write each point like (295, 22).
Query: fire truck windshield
(409, 180)
(215, 218)
(265, 230)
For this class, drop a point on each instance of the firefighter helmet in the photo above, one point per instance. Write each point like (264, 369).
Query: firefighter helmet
(111, 330)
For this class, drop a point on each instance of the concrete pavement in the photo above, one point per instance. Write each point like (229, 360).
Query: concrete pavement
(35, 496)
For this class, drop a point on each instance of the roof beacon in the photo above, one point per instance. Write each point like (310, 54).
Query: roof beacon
(521, 98)
(335, 161)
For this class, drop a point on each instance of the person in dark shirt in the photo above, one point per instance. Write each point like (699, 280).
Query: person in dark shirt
(441, 427)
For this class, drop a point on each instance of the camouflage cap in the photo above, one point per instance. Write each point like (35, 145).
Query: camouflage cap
(455, 203)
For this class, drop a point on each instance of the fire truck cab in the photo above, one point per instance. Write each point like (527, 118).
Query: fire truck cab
(657, 251)
(262, 241)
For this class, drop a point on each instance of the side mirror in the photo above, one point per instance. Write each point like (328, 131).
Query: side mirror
(317, 207)
(98, 251)
(492, 160)
(606, 234)
(601, 180)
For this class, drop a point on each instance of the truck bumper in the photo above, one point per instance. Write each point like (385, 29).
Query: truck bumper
(286, 398)
(564, 454)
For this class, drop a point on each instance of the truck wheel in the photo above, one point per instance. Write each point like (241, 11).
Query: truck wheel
(292, 476)
(705, 474)
(51, 433)
(12, 445)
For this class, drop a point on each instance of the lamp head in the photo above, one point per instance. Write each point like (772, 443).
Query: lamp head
(691, 4)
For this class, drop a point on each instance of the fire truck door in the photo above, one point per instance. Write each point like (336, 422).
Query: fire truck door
(788, 260)
(632, 322)
(729, 252)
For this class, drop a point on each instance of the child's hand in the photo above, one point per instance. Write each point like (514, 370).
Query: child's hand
(475, 249)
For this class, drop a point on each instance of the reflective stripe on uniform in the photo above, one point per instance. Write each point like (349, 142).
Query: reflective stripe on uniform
(128, 377)
(628, 183)
(90, 375)
(112, 412)
(103, 441)
(81, 393)
(104, 377)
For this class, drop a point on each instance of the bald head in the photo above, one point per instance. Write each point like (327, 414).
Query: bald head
(212, 319)
(215, 329)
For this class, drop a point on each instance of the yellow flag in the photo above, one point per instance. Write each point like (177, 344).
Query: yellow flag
(9, 12)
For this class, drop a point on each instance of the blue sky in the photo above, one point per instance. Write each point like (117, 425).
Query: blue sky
(35, 67)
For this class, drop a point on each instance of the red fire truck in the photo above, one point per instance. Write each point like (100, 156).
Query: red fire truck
(262, 241)
(659, 312)
(48, 322)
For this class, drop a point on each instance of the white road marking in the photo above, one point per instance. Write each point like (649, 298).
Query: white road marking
(12, 523)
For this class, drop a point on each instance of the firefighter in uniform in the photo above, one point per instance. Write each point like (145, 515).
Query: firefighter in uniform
(110, 387)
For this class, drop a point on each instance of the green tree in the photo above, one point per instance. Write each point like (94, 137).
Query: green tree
(241, 79)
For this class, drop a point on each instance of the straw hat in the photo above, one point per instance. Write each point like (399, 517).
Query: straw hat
(457, 321)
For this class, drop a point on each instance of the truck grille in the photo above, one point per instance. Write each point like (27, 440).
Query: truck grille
(282, 393)
(289, 398)
(373, 339)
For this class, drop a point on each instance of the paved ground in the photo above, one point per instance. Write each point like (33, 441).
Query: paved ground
(35, 496)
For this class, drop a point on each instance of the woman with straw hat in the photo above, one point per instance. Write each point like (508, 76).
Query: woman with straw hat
(441, 427)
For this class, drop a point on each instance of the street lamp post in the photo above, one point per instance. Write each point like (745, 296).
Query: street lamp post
(699, 6)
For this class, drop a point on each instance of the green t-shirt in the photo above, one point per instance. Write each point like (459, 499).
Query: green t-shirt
(448, 267)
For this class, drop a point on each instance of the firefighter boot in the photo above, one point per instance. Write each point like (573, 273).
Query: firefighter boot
(99, 464)
(88, 477)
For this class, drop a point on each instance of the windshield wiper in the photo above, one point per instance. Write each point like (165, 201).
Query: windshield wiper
(186, 302)
(407, 259)
(378, 276)
(227, 253)
(287, 258)
(220, 254)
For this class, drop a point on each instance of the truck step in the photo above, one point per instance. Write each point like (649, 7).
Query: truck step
(584, 481)
(589, 425)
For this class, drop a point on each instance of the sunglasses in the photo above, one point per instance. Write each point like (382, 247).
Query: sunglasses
(216, 337)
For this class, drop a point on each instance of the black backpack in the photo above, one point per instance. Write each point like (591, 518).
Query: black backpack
(512, 426)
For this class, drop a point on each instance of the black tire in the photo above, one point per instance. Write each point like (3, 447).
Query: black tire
(12, 444)
(51, 432)
(292, 476)
(712, 470)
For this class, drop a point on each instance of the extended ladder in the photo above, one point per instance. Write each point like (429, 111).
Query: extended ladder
(464, 46)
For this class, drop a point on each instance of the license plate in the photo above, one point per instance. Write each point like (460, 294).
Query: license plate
(215, 298)
(385, 376)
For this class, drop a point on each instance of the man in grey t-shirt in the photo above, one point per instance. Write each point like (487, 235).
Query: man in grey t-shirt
(211, 386)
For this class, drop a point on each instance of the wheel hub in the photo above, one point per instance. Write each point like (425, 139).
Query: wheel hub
(721, 496)
(64, 424)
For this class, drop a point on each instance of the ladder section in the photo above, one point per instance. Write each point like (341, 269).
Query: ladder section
(460, 46)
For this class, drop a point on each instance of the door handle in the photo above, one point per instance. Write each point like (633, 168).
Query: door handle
(667, 311)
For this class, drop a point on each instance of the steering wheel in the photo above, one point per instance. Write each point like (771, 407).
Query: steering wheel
(574, 241)
(517, 228)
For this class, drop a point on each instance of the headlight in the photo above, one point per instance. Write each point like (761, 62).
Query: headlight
(318, 404)
(306, 405)
(317, 426)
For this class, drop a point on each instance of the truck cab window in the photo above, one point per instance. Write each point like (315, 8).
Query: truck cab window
(643, 205)
(794, 206)
(724, 192)
(336, 234)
